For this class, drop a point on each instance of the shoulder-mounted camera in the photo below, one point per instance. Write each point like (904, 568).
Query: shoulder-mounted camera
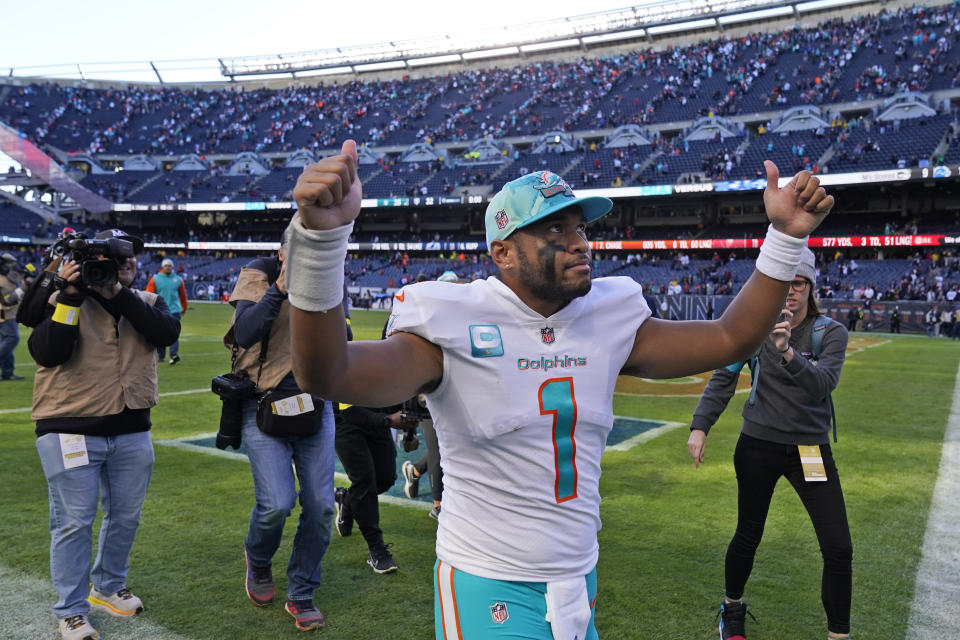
(85, 251)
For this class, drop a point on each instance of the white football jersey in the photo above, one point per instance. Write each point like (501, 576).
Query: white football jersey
(522, 416)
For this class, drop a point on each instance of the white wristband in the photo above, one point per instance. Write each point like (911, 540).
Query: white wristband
(314, 276)
(780, 255)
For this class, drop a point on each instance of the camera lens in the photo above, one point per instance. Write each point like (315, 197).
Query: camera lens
(99, 273)
(231, 419)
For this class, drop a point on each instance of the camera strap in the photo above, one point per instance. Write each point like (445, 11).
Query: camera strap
(235, 353)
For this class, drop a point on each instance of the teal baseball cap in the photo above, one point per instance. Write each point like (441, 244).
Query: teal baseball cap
(448, 276)
(533, 197)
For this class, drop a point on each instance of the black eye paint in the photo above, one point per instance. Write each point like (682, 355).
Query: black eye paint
(547, 256)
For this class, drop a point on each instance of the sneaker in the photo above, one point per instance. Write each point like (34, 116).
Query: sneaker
(344, 521)
(259, 583)
(732, 618)
(12, 376)
(435, 513)
(174, 359)
(120, 604)
(381, 560)
(305, 613)
(77, 628)
(411, 482)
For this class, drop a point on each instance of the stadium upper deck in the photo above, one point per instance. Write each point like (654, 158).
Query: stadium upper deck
(741, 85)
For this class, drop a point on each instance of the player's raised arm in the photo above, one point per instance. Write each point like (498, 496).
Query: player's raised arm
(665, 349)
(373, 373)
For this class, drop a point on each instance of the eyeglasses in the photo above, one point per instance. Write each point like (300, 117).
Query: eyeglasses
(799, 285)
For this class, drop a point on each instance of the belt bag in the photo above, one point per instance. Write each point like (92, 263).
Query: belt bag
(281, 413)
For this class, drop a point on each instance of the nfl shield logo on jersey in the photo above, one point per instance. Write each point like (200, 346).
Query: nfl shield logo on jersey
(547, 335)
(501, 219)
(499, 613)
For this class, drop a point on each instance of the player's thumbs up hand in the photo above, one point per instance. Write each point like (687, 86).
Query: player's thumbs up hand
(797, 208)
(328, 192)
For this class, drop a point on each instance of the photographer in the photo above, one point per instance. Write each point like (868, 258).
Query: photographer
(369, 456)
(280, 425)
(11, 291)
(785, 433)
(96, 351)
(429, 462)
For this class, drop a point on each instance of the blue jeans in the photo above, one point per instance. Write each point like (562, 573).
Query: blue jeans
(276, 495)
(118, 471)
(9, 339)
(174, 348)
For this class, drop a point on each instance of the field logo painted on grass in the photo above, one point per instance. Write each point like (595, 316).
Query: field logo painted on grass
(626, 433)
(205, 443)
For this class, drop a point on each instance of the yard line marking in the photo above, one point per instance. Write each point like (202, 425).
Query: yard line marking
(21, 616)
(640, 438)
(935, 612)
(185, 393)
(21, 410)
(668, 395)
(222, 352)
(162, 395)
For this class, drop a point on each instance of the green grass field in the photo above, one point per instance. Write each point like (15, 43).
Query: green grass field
(666, 524)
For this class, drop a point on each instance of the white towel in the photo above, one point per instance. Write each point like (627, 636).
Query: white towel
(568, 608)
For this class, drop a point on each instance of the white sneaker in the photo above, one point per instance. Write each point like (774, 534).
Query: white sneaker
(120, 604)
(411, 481)
(77, 628)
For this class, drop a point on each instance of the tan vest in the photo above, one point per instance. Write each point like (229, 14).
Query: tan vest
(251, 285)
(6, 287)
(113, 367)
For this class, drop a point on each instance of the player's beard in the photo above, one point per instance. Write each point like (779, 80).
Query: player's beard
(543, 279)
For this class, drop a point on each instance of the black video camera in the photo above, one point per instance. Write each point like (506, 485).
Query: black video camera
(233, 389)
(412, 411)
(11, 268)
(83, 250)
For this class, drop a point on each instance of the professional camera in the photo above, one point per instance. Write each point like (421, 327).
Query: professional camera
(71, 245)
(412, 411)
(10, 267)
(233, 389)
(410, 440)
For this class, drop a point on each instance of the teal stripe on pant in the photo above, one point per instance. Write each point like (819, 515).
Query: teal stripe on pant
(471, 606)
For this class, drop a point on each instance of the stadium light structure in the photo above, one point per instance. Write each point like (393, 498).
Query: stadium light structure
(629, 22)
(634, 22)
(762, 14)
(820, 5)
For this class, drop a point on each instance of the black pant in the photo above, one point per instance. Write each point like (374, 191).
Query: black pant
(759, 465)
(429, 462)
(369, 457)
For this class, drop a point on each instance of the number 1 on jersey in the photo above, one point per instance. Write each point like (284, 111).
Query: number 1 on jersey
(556, 397)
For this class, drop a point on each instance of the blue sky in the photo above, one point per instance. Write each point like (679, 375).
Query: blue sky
(58, 32)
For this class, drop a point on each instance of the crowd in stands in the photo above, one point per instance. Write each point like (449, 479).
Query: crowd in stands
(837, 61)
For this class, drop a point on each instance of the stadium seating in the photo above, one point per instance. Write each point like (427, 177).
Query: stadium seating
(837, 61)
(835, 66)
